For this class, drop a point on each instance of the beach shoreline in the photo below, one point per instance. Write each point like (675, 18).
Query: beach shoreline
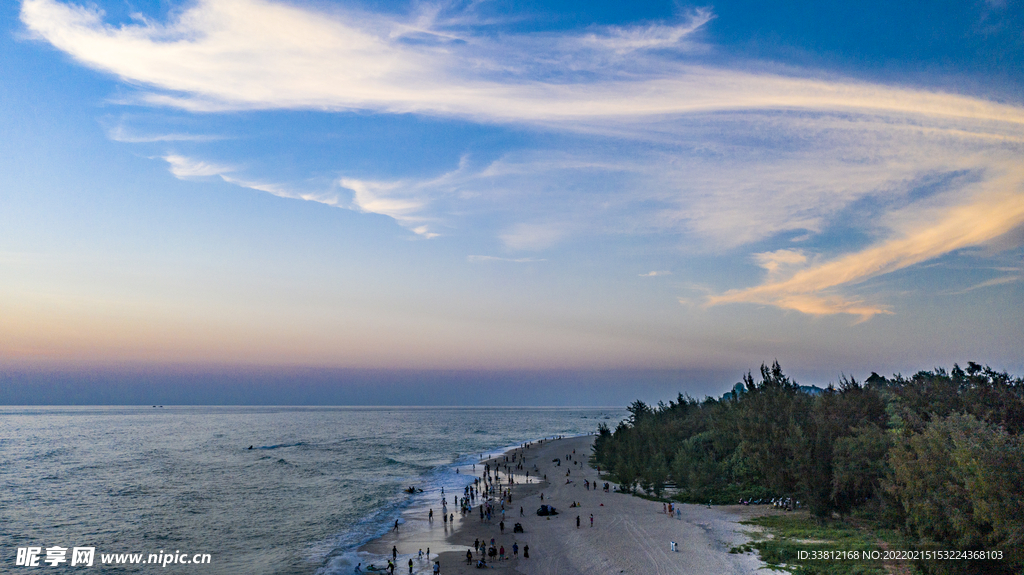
(628, 535)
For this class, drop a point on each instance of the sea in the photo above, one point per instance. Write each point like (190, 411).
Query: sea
(275, 490)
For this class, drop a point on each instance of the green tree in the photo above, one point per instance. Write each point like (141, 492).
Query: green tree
(958, 481)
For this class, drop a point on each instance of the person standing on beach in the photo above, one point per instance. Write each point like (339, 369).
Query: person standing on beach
(396, 525)
(591, 520)
(410, 566)
(430, 516)
(437, 568)
(577, 522)
(394, 553)
(526, 551)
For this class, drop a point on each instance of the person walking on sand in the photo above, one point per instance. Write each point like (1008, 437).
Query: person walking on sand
(437, 568)
(394, 553)
(396, 525)
(591, 520)
(515, 550)
(577, 522)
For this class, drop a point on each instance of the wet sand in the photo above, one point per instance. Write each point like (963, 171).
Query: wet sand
(629, 534)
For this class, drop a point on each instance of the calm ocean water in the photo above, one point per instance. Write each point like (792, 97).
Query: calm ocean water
(318, 482)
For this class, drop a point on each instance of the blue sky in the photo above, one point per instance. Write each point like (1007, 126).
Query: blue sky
(505, 186)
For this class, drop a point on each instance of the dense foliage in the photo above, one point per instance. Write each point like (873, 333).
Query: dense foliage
(939, 454)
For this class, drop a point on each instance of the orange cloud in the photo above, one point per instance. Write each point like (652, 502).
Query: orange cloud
(995, 210)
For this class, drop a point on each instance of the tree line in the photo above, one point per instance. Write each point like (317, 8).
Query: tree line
(939, 455)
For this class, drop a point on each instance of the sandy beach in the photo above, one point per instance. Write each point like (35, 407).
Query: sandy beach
(629, 534)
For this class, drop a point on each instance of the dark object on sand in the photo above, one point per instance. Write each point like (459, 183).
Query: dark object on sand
(518, 528)
(546, 510)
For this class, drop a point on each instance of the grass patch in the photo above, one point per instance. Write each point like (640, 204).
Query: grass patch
(785, 536)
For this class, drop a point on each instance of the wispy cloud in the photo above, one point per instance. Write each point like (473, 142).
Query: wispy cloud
(186, 168)
(778, 261)
(988, 283)
(656, 274)
(119, 133)
(724, 158)
(257, 54)
(995, 209)
(625, 40)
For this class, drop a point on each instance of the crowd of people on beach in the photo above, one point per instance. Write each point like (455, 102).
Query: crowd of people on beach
(491, 495)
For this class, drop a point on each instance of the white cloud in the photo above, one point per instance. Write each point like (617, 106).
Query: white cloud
(723, 158)
(780, 261)
(376, 198)
(403, 200)
(187, 168)
(656, 274)
(257, 54)
(624, 40)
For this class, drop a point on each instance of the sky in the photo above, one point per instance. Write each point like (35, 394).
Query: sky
(491, 187)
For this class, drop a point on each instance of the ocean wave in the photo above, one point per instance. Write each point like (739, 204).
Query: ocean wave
(282, 445)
